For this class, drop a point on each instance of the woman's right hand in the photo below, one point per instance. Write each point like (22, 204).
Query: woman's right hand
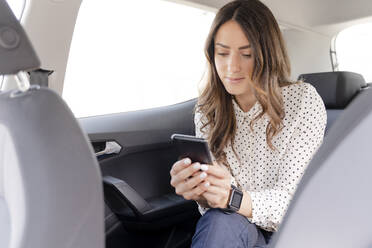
(187, 179)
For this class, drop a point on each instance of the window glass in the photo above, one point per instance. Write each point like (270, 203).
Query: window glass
(17, 7)
(354, 50)
(131, 55)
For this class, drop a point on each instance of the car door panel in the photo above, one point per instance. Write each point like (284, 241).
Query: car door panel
(144, 161)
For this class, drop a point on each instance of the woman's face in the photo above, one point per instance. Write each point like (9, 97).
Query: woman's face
(234, 60)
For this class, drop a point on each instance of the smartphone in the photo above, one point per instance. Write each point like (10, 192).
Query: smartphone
(192, 147)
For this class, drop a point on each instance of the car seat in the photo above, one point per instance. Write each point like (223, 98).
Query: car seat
(337, 90)
(50, 184)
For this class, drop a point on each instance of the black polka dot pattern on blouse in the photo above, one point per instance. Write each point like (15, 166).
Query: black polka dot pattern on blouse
(271, 177)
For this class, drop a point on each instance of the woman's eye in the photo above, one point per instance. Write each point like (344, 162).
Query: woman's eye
(247, 55)
(223, 54)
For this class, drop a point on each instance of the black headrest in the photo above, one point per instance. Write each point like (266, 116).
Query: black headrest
(337, 89)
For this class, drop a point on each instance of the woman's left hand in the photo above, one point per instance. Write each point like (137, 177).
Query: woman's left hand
(218, 191)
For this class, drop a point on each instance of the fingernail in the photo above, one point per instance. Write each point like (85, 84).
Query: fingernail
(203, 175)
(204, 167)
(197, 166)
(207, 184)
(187, 161)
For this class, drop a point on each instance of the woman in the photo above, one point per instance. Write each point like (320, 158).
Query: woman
(262, 130)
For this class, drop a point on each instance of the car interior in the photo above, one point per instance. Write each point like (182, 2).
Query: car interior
(103, 181)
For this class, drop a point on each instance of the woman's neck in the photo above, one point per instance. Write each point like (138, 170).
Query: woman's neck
(245, 103)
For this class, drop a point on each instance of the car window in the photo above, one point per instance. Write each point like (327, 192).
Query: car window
(125, 56)
(354, 50)
(17, 7)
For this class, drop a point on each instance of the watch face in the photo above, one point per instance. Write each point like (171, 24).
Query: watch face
(236, 199)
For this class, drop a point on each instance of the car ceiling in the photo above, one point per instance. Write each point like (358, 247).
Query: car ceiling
(327, 17)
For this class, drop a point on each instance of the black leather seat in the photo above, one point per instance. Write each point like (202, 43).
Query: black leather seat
(337, 90)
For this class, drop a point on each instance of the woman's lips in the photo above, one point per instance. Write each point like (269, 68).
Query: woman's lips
(234, 80)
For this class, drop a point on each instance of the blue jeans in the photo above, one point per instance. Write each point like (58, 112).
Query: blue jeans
(218, 229)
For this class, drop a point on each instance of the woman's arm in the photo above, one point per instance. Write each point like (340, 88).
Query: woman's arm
(217, 194)
(246, 205)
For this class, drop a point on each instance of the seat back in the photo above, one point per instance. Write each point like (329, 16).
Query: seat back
(332, 205)
(337, 90)
(50, 186)
(50, 183)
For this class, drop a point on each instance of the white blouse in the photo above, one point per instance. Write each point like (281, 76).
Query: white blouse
(271, 177)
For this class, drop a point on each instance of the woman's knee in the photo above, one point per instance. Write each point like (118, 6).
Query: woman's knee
(218, 227)
(222, 223)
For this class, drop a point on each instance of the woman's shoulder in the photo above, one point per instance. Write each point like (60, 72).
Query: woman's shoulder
(298, 87)
(298, 91)
(300, 96)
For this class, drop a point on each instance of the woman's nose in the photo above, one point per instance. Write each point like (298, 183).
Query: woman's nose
(233, 65)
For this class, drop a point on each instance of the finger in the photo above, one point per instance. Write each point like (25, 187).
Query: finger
(188, 185)
(209, 196)
(195, 180)
(188, 172)
(218, 199)
(180, 165)
(194, 194)
(184, 174)
(218, 191)
(201, 188)
(216, 181)
(216, 170)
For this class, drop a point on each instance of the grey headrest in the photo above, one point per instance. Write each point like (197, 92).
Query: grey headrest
(16, 52)
(337, 89)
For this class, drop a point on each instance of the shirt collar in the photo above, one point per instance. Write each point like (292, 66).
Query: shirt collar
(250, 114)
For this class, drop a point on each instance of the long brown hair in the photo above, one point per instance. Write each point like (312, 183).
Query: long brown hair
(271, 71)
